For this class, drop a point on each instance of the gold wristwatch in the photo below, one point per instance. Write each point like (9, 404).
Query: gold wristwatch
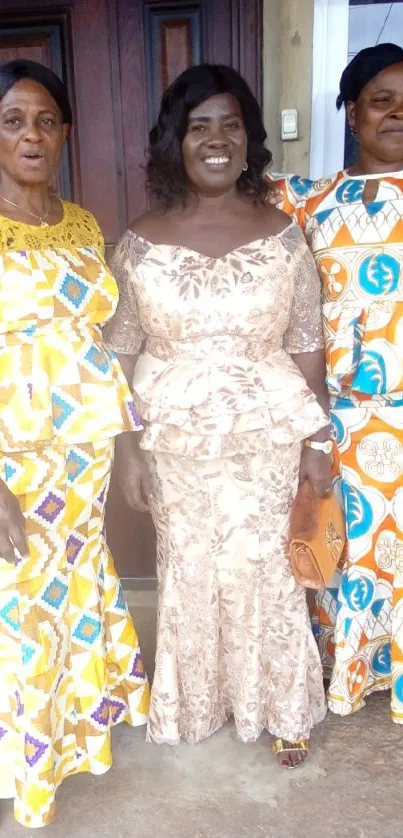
(325, 447)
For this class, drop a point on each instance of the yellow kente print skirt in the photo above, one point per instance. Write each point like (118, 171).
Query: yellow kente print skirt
(70, 663)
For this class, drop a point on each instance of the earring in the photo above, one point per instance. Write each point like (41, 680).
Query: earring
(245, 167)
(353, 132)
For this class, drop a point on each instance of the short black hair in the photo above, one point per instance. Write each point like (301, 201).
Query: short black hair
(166, 175)
(14, 71)
(364, 67)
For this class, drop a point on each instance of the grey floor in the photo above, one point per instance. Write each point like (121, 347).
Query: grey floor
(351, 786)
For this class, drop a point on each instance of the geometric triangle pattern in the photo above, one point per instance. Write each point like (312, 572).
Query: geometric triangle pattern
(70, 662)
(56, 372)
(358, 252)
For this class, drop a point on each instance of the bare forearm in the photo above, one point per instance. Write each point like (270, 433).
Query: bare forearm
(132, 469)
(313, 368)
(128, 363)
(127, 442)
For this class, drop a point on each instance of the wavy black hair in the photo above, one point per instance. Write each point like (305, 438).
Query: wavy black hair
(14, 71)
(166, 176)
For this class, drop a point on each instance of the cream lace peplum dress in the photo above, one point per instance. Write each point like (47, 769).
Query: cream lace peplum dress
(225, 411)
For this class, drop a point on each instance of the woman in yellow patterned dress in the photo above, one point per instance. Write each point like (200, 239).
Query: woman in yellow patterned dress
(70, 665)
(353, 223)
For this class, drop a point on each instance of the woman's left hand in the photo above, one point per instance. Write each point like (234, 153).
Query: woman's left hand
(274, 195)
(317, 468)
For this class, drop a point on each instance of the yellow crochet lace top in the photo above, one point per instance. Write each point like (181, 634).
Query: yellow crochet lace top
(78, 228)
(58, 382)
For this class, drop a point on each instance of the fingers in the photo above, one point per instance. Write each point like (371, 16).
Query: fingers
(18, 530)
(146, 488)
(7, 551)
(317, 468)
(18, 536)
(13, 536)
(322, 488)
(143, 490)
(275, 196)
(322, 483)
(136, 485)
(136, 502)
(141, 506)
(134, 498)
(303, 472)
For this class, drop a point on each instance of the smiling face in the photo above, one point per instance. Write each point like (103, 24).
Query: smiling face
(215, 145)
(31, 134)
(377, 117)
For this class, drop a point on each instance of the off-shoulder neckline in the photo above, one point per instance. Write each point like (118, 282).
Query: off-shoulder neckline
(200, 255)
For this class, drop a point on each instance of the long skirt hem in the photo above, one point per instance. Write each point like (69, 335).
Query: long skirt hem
(234, 636)
(70, 663)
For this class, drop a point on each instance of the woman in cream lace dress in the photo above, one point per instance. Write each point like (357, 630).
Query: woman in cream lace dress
(219, 327)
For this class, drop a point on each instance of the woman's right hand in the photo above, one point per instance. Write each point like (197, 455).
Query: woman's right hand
(134, 478)
(13, 535)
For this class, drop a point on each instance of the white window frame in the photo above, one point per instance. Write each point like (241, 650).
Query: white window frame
(330, 56)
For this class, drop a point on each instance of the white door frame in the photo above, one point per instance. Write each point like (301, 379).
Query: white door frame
(330, 55)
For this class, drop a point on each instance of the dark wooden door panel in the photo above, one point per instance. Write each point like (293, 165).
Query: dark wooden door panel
(173, 41)
(130, 65)
(34, 46)
(158, 40)
(95, 111)
(73, 38)
(44, 42)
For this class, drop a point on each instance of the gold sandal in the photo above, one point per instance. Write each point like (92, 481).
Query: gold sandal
(280, 746)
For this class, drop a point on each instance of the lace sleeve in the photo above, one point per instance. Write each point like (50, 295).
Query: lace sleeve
(305, 329)
(123, 333)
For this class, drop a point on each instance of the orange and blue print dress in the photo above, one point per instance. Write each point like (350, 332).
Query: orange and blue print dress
(70, 663)
(358, 248)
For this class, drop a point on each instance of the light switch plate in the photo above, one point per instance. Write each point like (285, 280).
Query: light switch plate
(289, 124)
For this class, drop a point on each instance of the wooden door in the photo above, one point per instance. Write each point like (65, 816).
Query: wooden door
(117, 57)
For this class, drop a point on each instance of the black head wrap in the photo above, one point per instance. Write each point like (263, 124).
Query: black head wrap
(21, 69)
(363, 68)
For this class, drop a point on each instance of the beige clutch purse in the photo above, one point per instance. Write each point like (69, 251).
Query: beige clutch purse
(317, 537)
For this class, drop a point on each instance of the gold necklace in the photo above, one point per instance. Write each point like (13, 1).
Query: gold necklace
(40, 218)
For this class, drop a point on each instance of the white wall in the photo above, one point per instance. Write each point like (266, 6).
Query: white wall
(376, 22)
(302, 70)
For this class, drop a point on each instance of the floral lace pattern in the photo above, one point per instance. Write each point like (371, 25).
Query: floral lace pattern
(216, 383)
(234, 636)
(216, 377)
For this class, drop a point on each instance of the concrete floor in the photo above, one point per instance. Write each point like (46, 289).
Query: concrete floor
(349, 787)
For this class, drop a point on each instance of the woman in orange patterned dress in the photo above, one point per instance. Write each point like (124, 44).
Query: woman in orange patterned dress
(353, 223)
